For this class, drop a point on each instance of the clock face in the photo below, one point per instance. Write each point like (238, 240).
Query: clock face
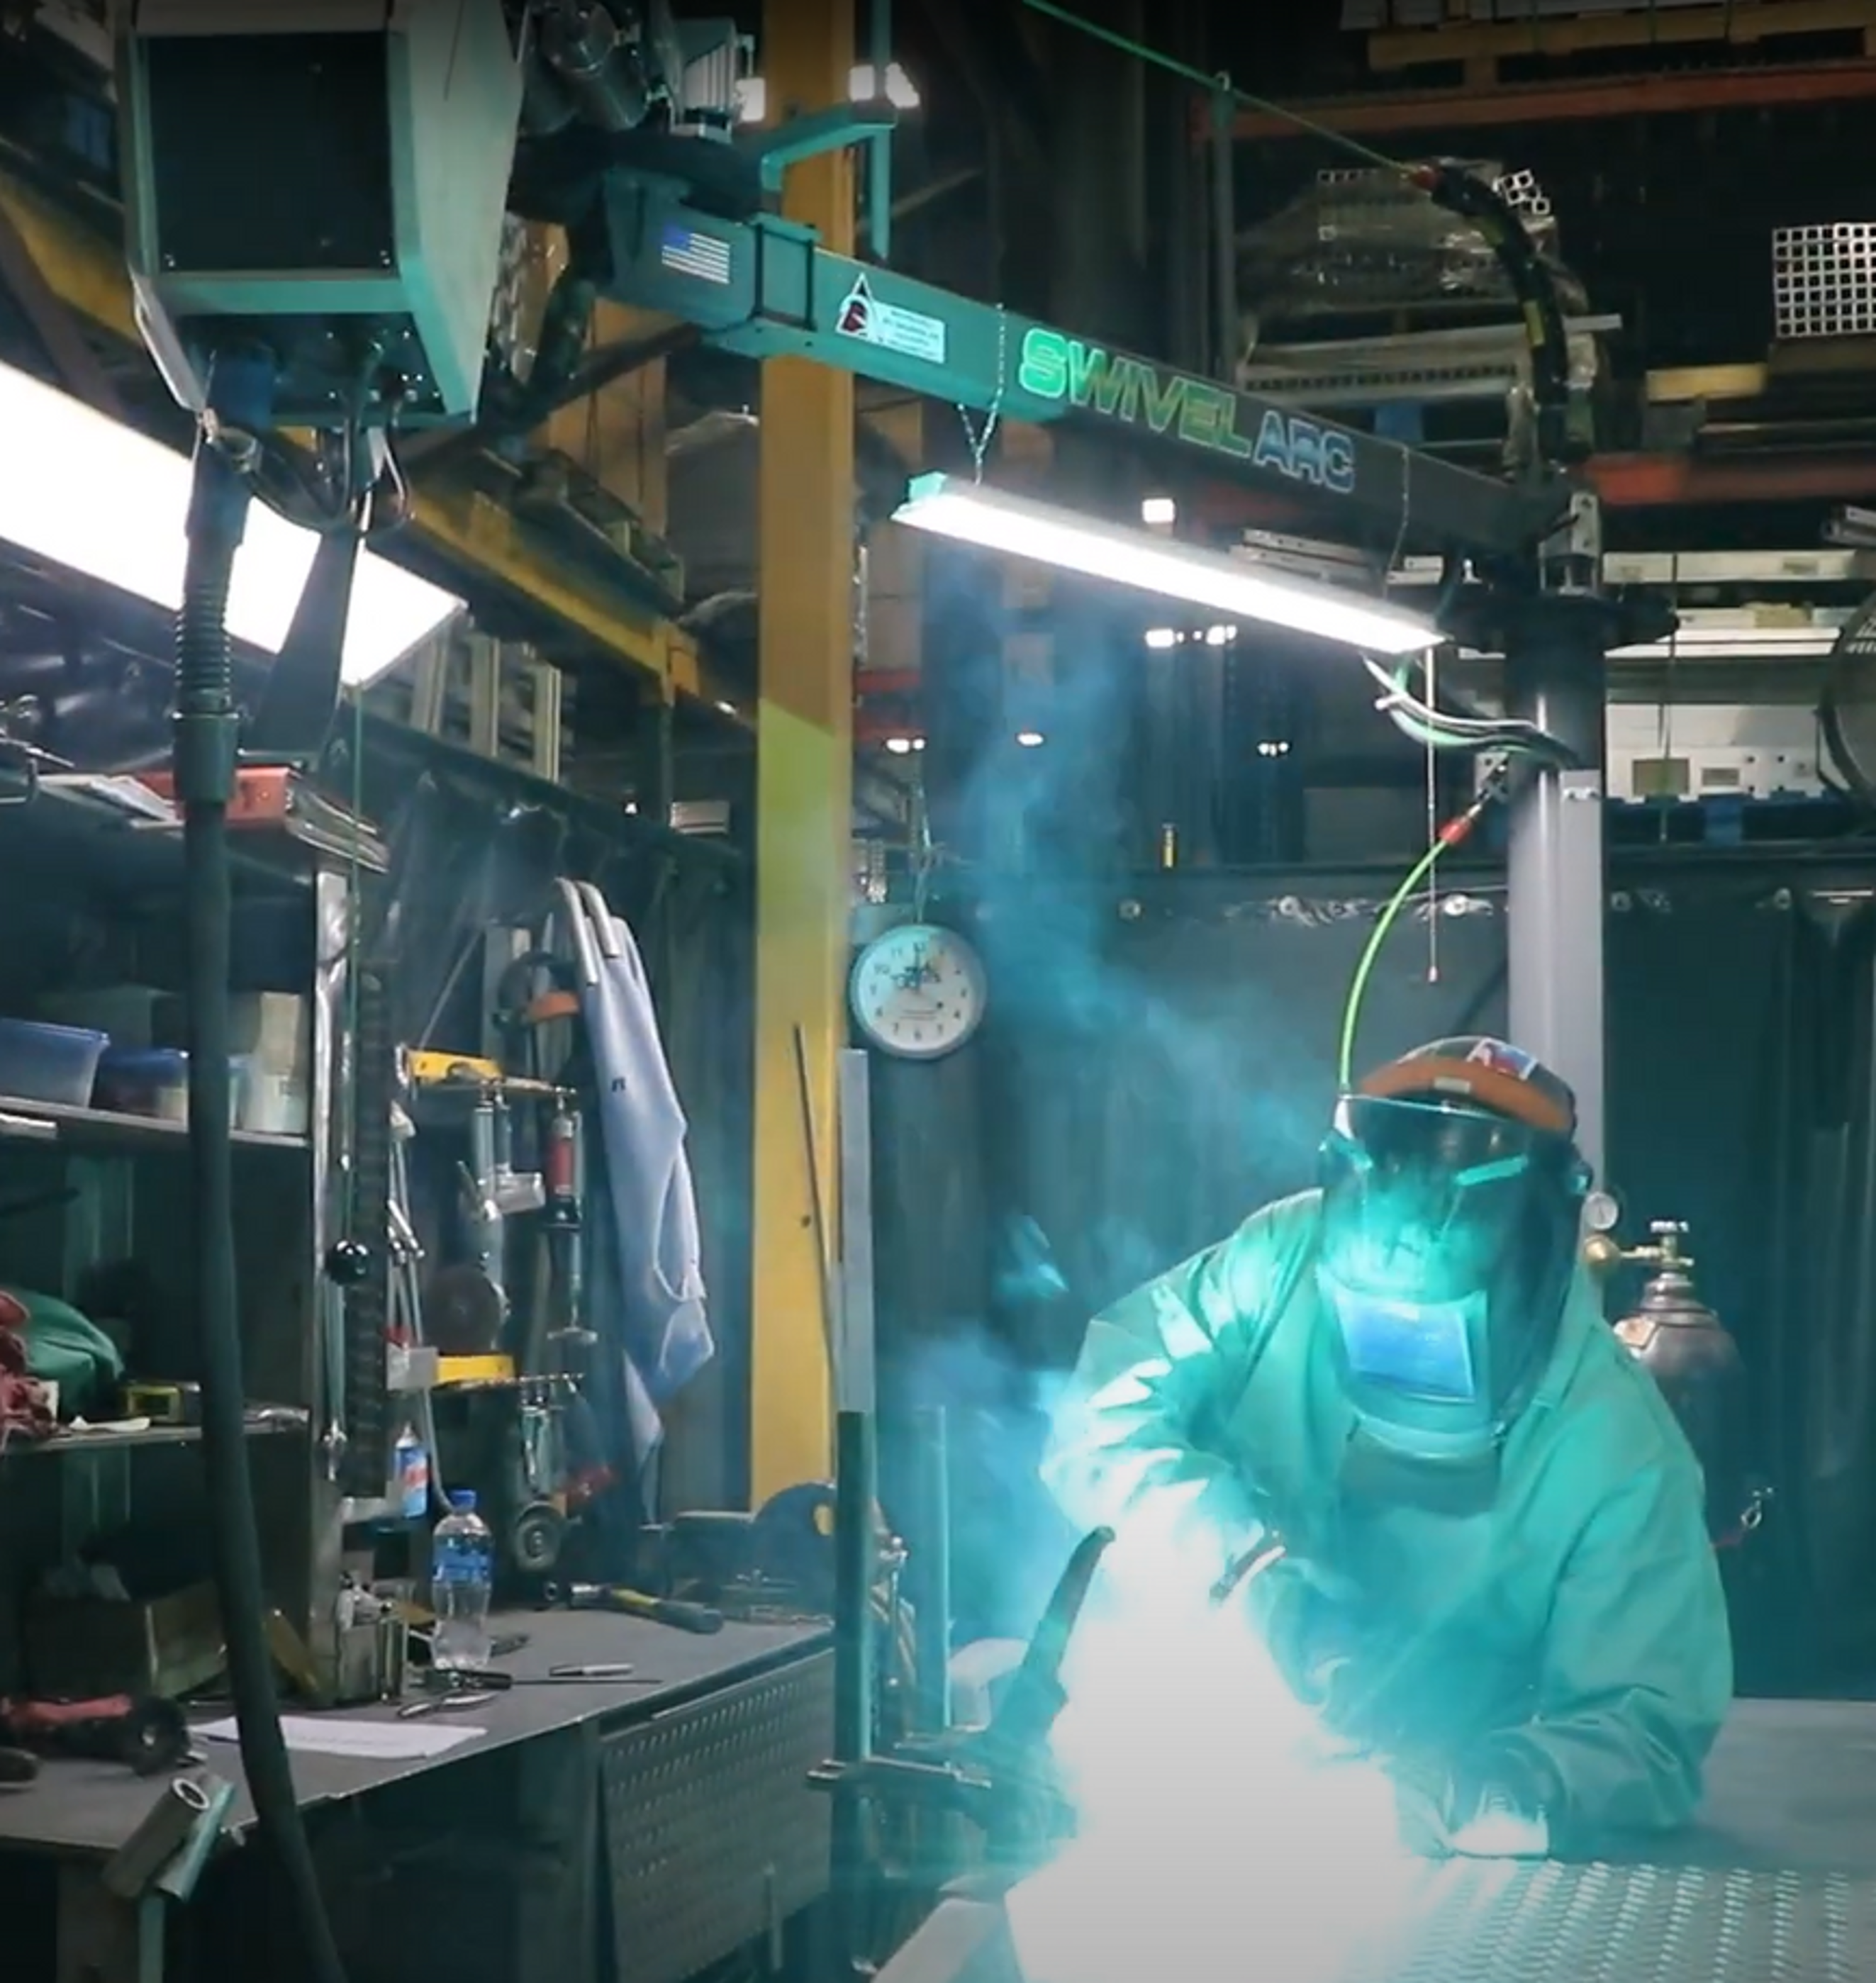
(919, 991)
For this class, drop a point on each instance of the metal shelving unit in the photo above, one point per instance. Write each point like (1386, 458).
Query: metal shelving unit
(264, 1422)
(104, 1130)
(105, 855)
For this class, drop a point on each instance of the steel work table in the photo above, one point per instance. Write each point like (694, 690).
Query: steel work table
(684, 1781)
(1775, 1883)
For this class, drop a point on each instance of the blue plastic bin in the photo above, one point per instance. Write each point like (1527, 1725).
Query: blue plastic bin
(42, 1063)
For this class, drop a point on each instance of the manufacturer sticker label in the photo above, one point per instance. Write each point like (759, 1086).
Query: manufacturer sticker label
(911, 333)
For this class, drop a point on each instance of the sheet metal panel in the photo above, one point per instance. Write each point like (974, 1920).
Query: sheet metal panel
(713, 1836)
(1553, 1924)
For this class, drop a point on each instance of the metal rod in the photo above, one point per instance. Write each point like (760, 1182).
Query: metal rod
(930, 1565)
(1225, 231)
(1556, 677)
(879, 152)
(856, 1552)
(856, 1362)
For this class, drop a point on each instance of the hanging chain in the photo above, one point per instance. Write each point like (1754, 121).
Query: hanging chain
(924, 850)
(980, 438)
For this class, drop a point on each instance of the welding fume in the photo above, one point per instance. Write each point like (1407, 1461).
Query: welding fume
(1413, 1556)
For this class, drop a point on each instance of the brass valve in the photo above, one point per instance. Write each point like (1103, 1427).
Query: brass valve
(1602, 1252)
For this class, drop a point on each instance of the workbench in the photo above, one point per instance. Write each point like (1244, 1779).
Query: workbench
(1776, 1883)
(681, 1792)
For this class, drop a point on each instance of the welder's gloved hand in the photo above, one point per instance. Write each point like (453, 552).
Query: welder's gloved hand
(1459, 1814)
(1304, 1613)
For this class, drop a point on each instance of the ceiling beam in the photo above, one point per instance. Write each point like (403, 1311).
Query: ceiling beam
(1577, 100)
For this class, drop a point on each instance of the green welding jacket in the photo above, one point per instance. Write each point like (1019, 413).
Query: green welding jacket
(1569, 1628)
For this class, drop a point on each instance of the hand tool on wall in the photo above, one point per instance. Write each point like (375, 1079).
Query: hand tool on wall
(494, 1191)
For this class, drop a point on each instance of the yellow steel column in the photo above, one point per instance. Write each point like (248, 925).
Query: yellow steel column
(804, 792)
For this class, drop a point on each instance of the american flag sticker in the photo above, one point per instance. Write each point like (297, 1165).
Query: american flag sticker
(703, 257)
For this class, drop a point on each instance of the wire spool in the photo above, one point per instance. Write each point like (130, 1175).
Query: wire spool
(1846, 705)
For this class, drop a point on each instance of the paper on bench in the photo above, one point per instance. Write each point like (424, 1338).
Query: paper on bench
(372, 1741)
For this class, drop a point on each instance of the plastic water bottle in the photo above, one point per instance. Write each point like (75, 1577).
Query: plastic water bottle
(462, 1577)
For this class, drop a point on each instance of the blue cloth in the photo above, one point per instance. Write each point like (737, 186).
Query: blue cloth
(651, 1236)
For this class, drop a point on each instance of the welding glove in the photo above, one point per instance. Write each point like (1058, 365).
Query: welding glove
(1462, 1814)
(1305, 1614)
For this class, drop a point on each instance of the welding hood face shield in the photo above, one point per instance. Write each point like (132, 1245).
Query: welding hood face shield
(1449, 1241)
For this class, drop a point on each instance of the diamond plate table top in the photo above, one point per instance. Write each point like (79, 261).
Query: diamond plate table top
(1639, 1924)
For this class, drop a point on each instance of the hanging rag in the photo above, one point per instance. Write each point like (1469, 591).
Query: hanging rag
(655, 1245)
(24, 1411)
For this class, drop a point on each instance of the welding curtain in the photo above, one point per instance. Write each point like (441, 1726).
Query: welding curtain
(1160, 1063)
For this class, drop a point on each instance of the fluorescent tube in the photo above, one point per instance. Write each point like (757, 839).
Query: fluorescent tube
(78, 488)
(1021, 527)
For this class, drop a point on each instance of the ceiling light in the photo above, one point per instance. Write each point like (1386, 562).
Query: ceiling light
(1023, 528)
(80, 489)
(1220, 636)
(1030, 739)
(1159, 510)
(1161, 639)
(900, 747)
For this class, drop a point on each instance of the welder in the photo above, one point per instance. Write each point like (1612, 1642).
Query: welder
(1387, 1419)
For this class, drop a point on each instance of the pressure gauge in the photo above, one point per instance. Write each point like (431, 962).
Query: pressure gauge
(1602, 1212)
(919, 991)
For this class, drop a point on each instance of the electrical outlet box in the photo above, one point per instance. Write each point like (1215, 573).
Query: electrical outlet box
(332, 177)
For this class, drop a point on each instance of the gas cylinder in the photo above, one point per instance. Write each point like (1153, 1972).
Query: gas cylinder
(1685, 1347)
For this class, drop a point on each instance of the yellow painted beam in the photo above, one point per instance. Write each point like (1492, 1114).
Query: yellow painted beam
(84, 270)
(480, 535)
(1677, 384)
(804, 793)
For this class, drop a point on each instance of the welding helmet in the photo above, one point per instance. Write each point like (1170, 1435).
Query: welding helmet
(1452, 1194)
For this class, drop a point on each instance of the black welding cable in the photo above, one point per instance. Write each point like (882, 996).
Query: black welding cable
(206, 731)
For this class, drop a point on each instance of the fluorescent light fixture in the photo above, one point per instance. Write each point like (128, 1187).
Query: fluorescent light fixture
(1708, 641)
(79, 490)
(1024, 528)
(1163, 640)
(1697, 643)
(1220, 636)
(1159, 510)
(1030, 739)
(900, 747)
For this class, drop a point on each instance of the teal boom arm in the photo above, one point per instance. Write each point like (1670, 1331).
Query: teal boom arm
(765, 287)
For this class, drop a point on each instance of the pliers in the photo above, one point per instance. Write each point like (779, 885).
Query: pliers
(448, 1702)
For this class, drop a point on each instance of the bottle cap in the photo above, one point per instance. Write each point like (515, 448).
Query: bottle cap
(463, 1500)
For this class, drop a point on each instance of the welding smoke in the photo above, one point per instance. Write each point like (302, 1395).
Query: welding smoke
(1114, 1114)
